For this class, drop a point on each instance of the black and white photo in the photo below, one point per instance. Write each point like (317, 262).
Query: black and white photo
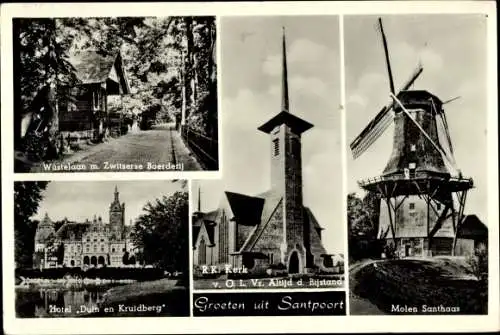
(101, 249)
(416, 128)
(115, 94)
(274, 219)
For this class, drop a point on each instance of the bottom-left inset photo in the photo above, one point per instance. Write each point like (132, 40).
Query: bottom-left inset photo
(101, 248)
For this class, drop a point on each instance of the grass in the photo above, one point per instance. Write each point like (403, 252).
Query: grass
(417, 282)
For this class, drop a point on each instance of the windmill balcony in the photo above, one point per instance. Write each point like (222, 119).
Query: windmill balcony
(419, 183)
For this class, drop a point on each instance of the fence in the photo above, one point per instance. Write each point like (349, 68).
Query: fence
(205, 148)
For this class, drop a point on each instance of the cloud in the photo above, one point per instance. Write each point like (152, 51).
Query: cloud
(305, 57)
(303, 50)
(356, 99)
(272, 65)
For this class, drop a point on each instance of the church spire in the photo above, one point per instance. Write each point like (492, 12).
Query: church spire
(284, 79)
(116, 194)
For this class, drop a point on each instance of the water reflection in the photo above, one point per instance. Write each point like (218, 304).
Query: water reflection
(58, 302)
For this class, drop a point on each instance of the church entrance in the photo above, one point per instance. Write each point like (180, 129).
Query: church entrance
(293, 263)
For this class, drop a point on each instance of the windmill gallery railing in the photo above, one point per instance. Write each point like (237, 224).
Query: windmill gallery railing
(205, 148)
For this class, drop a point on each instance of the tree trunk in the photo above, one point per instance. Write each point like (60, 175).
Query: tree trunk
(182, 79)
(189, 64)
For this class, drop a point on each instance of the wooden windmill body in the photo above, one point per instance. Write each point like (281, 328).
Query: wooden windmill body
(423, 193)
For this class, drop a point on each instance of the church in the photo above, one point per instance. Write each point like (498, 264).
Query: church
(273, 229)
(86, 244)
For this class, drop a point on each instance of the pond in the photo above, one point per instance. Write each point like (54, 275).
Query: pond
(149, 298)
(62, 301)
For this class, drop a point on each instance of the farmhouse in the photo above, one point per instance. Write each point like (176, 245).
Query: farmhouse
(85, 109)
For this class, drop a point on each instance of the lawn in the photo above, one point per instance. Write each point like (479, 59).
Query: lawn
(434, 282)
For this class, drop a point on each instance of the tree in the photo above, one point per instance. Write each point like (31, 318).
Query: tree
(27, 196)
(362, 220)
(161, 233)
(40, 65)
(478, 263)
(125, 259)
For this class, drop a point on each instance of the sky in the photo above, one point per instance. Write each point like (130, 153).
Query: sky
(251, 95)
(83, 199)
(452, 50)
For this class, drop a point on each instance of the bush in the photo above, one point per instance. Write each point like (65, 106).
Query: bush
(479, 263)
(390, 251)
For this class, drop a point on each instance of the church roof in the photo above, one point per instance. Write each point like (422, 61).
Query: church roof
(249, 211)
(211, 216)
(272, 200)
(312, 218)
(246, 209)
(210, 232)
(297, 124)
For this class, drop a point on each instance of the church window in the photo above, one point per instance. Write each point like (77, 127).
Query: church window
(202, 252)
(276, 146)
(113, 250)
(412, 206)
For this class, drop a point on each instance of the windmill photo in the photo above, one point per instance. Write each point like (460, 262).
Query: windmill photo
(422, 190)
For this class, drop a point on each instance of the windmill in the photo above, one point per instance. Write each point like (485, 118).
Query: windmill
(424, 193)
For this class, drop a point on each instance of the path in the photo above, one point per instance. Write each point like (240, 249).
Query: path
(158, 149)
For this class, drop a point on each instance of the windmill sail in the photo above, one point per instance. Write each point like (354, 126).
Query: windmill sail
(371, 132)
(380, 123)
(386, 51)
(445, 143)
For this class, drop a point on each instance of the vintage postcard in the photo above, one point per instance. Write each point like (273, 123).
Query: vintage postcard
(115, 94)
(101, 249)
(418, 229)
(250, 167)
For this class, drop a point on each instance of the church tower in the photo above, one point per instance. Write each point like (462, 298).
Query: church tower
(117, 214)
(285, 130)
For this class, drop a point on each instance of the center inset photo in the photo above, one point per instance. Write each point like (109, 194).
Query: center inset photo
(275, 218)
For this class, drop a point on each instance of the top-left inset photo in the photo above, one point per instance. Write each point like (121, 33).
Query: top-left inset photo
(115, 94)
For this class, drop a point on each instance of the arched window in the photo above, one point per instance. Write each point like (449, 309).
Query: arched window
(202, 252)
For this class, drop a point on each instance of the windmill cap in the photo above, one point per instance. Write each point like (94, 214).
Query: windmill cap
(417, 96)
